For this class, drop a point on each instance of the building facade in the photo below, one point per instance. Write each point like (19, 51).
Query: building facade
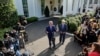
(31, 8)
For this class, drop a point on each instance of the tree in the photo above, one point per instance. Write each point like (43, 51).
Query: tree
(8, 15)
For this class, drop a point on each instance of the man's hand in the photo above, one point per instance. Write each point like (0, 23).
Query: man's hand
(61, 32)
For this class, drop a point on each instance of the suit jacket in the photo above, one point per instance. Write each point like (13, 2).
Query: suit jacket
(63, 28)
(50, 30)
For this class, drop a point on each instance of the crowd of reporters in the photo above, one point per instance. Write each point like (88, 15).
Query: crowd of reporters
(88, 35)
(14, 39)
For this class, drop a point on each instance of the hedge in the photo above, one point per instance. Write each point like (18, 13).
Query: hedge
(32, 19)
(8, 15)
(2, 31)
(73, 23)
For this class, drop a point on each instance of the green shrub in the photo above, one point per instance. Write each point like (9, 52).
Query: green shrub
(78, 21)
(73, 26)
(8, 15)
(73, 23)
(2, 31)
(32, 19)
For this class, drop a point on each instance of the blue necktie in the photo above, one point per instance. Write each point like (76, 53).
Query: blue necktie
(51, 28)
(62, 26)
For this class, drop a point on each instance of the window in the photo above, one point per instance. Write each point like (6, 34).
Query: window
(59, 3)
(90, 2)
(67, 5)
(73, 5)
(42, 6)
(95, 1)
(25, 8)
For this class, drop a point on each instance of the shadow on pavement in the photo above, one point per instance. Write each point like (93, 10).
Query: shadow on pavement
(72, 49)
(49, 52)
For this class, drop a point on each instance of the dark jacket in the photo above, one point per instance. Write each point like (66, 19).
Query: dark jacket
(50, 31)
(63, 29)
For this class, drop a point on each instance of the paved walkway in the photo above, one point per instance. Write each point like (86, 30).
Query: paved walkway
(38, 42)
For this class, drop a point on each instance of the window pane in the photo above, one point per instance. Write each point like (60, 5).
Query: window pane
(95, 1)
(25, 7)
(90, 2)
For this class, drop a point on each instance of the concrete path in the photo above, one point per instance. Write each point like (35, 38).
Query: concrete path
(40, 47)
(38, 41)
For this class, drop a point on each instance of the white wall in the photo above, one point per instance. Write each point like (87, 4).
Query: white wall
(75, 6)
(30, 7)
(34, 8)
(64, 3)
(69, 8)
(19, 6)
(38, 12)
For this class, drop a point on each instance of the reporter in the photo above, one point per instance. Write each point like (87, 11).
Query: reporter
(95, 50)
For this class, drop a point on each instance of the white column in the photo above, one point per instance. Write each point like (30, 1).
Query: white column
(69, 8)
(19, 7)
(93, 1)
(38, 12)
(34, 8)
(75, 6)
(82, 3)
(87, 5)
(39, 9)
(99, 2)
(31, 7)
(64, 8)
(79, 6)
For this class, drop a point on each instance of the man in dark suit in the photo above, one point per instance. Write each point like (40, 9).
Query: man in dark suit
(50, 30)
(62, 29)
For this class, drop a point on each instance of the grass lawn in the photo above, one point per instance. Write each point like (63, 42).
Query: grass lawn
(2, 32)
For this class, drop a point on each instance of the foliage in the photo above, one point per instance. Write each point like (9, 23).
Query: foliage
(8, 15)
(73, 23)
(73, 26)
(2, 31)
(32, 19)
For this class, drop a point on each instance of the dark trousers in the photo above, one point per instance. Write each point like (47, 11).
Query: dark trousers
(51, 41)
(84, 39)
(62, 38)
